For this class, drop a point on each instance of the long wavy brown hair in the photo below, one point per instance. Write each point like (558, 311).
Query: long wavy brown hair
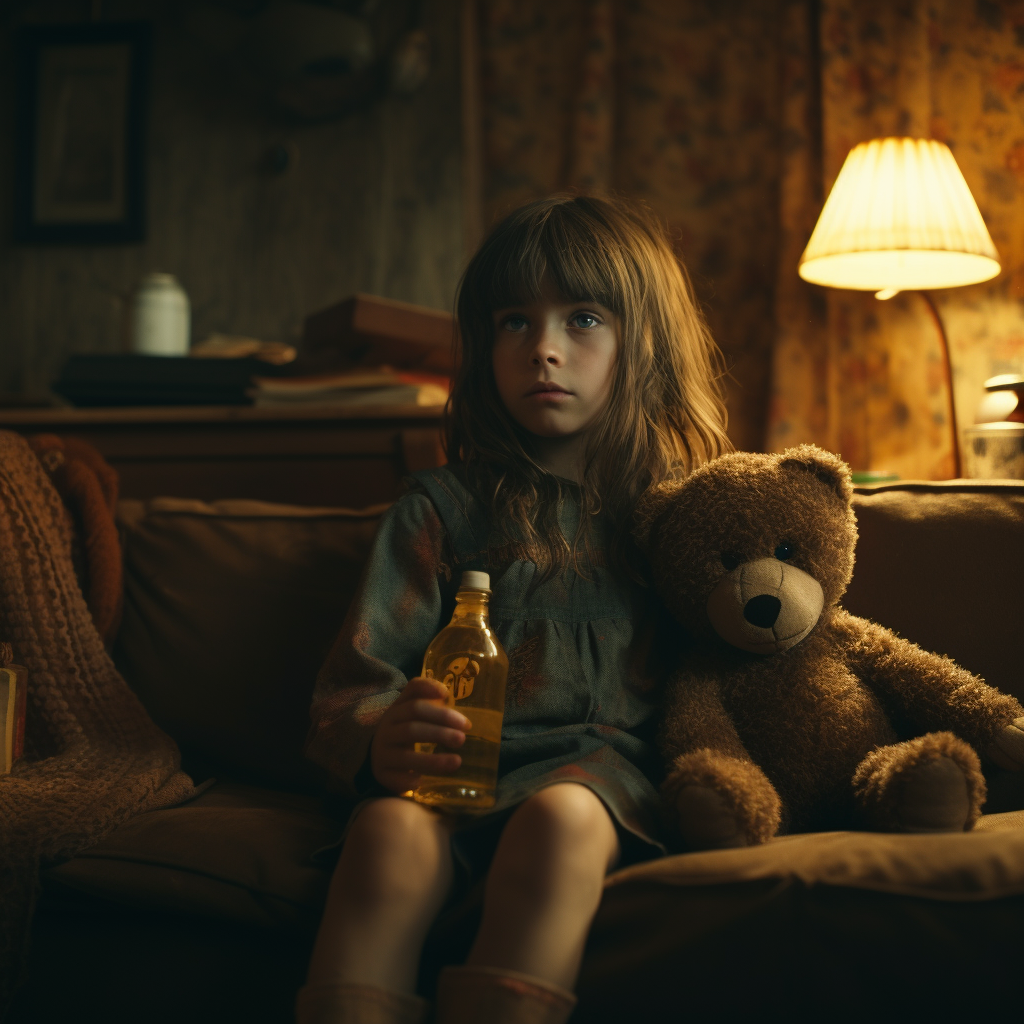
(665, 414)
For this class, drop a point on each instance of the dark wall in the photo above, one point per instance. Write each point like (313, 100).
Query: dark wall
(370, 202)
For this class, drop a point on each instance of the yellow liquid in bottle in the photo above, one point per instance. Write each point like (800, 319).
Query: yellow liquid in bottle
(468, 659)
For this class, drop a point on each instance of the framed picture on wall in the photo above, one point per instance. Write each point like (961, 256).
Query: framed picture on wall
(79, 137)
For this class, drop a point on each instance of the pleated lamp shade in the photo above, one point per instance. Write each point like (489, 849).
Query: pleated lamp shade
(900, 216)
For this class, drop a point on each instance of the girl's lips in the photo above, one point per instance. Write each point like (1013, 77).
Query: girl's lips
(543, 397)
(546, 388)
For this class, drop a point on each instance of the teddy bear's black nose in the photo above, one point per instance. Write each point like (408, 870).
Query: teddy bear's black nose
(762, 610)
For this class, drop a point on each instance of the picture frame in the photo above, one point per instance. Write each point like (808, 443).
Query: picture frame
(80, 133)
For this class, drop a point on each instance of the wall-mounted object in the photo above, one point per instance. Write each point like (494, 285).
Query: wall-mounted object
(161, 317)
(79, 140)
(318, 61)
(289, 38)
(900, 217)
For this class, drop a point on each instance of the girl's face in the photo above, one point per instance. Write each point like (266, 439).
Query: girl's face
(553, 363)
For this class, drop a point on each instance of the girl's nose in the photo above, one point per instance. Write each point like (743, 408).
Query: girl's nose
(546, 349)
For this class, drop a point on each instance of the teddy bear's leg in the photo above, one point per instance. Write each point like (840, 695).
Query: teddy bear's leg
(932, 783)
(717, 801)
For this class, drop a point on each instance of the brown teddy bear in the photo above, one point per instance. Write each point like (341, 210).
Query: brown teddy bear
(787, 711)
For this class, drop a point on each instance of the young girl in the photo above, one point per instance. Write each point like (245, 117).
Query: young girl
(587, 375)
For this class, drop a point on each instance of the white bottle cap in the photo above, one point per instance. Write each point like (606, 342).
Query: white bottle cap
(475, 581)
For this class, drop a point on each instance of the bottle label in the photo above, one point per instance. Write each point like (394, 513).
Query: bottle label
(459, 677)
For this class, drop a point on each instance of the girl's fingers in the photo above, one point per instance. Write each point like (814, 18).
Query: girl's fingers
(424, 764)
(403, 773)
(404, 733)
(428, 711)
(419, 715)
(420, 686)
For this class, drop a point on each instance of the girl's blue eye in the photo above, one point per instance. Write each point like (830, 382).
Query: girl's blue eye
(579, 318)
(515, 323)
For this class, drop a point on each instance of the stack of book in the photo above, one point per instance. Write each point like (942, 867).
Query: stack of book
(125, 380)
(373, 386)
(345, 356)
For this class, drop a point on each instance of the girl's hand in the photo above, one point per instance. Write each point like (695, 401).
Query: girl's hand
(420, 715)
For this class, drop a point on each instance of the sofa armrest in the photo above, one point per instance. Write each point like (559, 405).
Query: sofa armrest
(942, 564)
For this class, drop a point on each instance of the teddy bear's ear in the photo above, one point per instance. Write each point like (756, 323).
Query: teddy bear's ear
(649, 509)
(828, 468)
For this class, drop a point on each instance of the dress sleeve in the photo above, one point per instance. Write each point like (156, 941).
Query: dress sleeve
(397, 610)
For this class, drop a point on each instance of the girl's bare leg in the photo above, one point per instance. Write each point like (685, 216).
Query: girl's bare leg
(392, 878)
(545, 884)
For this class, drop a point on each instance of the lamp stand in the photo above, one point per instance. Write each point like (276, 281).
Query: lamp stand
(948, 370)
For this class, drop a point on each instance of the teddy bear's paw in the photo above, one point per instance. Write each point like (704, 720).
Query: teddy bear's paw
(706, 822)
(929, 784)
(717, 801)
(1007, 749)
(933, 797)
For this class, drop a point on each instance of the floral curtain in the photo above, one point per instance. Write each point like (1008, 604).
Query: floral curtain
(731, 121)
(668, 102)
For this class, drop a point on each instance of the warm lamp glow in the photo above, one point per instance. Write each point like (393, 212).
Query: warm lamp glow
(900, 216)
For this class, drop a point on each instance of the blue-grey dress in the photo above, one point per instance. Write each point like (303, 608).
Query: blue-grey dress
(587, 660)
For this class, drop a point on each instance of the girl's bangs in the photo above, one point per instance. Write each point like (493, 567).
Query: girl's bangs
(559, 247)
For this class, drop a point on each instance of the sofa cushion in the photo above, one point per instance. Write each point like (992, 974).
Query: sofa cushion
(234, 853)
(808, 927)
(230, 608)
(246, 854)
(941, 564)
(986, 863)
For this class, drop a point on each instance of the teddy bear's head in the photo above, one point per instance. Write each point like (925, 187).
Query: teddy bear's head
(752, 548)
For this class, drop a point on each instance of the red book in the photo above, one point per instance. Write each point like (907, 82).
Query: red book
(368, 330)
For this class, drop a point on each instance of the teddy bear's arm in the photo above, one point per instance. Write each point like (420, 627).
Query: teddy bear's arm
(695, 719)
(714, 793)
(932, 691)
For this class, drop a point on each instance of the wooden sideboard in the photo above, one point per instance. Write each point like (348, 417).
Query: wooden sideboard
(314, 455)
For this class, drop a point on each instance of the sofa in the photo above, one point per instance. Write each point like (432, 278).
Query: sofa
(207, 911)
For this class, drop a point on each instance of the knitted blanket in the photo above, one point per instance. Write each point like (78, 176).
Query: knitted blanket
(88, 486)
(93, 758)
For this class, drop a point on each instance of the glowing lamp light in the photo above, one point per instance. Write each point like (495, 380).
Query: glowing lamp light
(900, 216)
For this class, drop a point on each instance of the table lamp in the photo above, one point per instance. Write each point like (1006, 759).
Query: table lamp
(900, 217)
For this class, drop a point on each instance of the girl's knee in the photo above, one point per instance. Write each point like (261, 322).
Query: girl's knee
(395, 822)
(393, 848)
(567, 812)
(563, 824)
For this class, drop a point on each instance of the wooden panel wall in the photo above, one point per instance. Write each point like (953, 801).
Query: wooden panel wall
(370, 203)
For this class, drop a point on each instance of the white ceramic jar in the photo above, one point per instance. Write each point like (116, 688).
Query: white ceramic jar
(994, 451)
(160, 317)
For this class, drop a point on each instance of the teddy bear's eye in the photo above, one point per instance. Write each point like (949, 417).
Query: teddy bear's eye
(784, 551)
(729, 560)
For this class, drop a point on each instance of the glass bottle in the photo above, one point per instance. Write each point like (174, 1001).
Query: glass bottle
(468, 659)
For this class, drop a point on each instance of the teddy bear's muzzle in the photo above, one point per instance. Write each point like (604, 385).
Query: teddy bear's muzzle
(765, 606)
